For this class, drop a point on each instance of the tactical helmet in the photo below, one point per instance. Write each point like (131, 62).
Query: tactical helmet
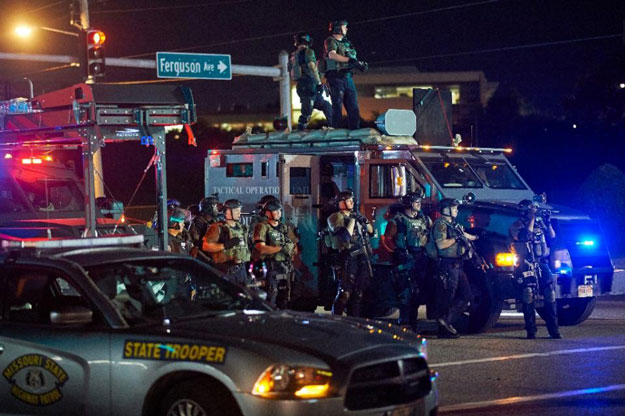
(232, 204)
(176, 218)
(447, 203)
(344, 196)
(303, 38)
(206, 205)
(526, 205)
(263, 201)
(172, 204)
(410, 198)
(335, 26)
(272, 205)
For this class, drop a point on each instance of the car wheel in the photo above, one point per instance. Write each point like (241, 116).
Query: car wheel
(573, 311)
(483, 311)
(190, 398)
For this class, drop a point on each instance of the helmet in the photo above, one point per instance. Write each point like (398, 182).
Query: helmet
(263, 201)
(176, 218)
(272, 205)
(172, 204)
(410, 198)
(207, 205)
(344, 196)
(232, 204)
(447, 203)
(526, 205)
(303, 38)
(335, 26)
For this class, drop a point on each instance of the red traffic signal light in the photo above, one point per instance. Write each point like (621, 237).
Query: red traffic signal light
(94, 62)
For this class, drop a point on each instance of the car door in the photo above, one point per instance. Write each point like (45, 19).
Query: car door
(50, 368)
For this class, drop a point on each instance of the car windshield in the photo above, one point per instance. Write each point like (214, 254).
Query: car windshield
(147, 292)
(452, 172)
(53, 194)
(496, 174)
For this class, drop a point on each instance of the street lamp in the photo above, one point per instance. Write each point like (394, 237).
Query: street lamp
(25, 31)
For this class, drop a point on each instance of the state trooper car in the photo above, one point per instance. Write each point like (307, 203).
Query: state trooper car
(112, 331)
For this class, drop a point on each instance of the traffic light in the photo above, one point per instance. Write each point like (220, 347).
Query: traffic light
(95, 65)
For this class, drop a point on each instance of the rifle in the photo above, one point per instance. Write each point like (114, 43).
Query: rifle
(471, 252)
(364, 239)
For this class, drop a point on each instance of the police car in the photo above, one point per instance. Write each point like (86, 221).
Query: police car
(102, 331)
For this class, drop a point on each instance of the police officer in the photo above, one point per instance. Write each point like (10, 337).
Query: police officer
(273, 246)
(452, 287)
(350, 233)
(178, 241)
(529, 235)
(304, 72)
(406, 236)
(340, 60)
(226, 240)
(207, 215)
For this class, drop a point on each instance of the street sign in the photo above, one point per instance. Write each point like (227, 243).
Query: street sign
(193, 65)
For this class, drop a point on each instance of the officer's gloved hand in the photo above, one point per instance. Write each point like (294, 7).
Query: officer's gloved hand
(359, 65)
(319, 88)
(288, 248)
(360, 218)
(546, 216)
(232, 242)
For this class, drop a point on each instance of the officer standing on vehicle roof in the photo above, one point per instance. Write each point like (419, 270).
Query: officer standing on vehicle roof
(452, 287)
(529, 235)
(303, 64)
(208, 214)
(177, 238)
(226, 240)
(406, 236)
(350, 233)
(273, 246)
(340, 60)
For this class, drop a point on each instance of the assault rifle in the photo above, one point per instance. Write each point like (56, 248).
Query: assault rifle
(471, 252)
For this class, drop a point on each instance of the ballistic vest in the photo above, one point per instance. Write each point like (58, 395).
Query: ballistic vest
(411, 232)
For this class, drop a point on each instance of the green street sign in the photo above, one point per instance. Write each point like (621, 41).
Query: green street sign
(193, 65)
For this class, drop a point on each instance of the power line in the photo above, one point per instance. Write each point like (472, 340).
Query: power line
(290, 33)
(502, 49)
(181, 6)
(46, 6)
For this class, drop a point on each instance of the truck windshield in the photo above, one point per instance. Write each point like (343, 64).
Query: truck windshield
(9, 200)
(53, 194)
(452, 172)
(496, 174)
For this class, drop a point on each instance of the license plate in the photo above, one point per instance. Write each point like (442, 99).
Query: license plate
(584, 291)
(404, 411)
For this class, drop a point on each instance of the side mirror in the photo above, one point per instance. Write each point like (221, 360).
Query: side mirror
(71, 315)
(469, 198)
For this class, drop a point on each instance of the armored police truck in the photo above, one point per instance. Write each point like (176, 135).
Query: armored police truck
(305, 169)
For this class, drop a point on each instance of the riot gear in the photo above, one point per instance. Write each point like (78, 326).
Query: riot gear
(527, 205)
(410, 198)
(342, 197)
(446, 204)
(176, 218)
(209, 205)
(303, 38)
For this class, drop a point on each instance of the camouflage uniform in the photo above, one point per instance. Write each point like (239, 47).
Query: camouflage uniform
(409, 235)
(279, 265)
(354, 264)
(231, 261)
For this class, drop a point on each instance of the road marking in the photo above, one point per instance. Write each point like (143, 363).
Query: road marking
(524, 399)
(530, 355)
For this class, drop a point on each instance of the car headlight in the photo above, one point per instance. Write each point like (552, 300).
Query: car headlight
(285, 382)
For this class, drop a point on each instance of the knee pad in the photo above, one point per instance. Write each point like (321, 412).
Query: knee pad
(528, 295)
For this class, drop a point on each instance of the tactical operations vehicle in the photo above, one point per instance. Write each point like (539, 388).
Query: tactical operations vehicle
(96, 330)
(305, 169)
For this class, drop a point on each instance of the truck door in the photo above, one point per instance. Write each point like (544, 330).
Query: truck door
(299, 192)
(49, 368)
(383, 182)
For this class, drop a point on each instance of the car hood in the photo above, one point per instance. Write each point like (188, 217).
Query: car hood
(325, 336)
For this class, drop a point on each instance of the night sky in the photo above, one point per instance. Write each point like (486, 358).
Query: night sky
(540, 47)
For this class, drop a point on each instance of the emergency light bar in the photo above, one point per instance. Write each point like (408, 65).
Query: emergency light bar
(427, 147)
(10, 243)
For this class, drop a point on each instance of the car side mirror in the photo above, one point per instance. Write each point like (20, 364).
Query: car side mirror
(71, 315)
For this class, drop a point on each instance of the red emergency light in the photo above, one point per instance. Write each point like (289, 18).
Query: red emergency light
(96, 37)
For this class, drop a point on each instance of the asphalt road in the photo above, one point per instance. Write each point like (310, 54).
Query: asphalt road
(501, 372)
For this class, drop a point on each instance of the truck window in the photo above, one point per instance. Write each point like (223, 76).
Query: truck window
(496, 174)
(300, 181)
(391, 181)
(53, 194)
(9, 200)
(452, 172)
(239, 170)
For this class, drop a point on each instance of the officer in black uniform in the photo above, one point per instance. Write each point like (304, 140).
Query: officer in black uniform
(452, 287)
(529, 236)
(340, 60)
(207, 215)
(304, 72)
(350, 233)
(406, 235)
(177, 238)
